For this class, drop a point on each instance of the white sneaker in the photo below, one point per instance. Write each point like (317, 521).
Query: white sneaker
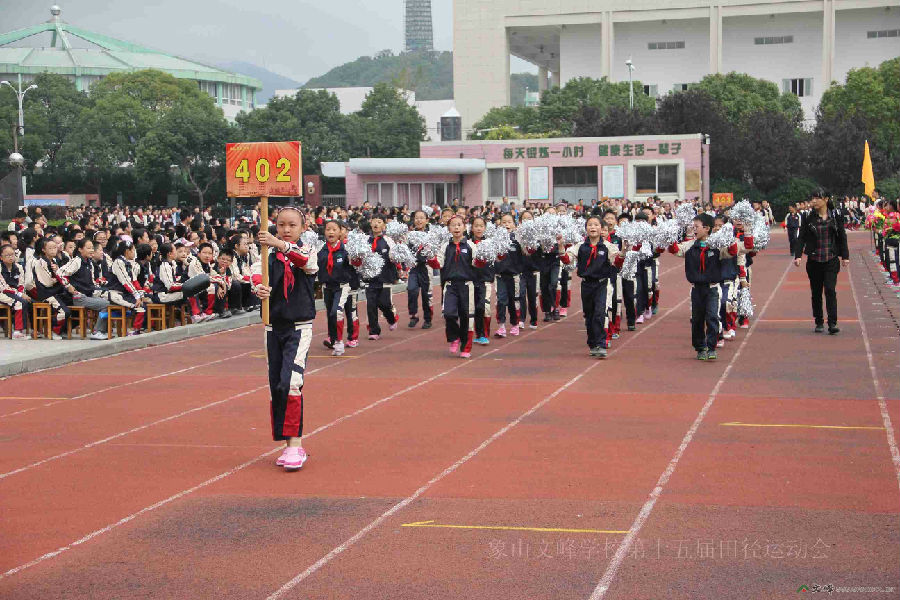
(56, 336)
(338, 349)
(19, 335)
(97, 335)
(198, 318)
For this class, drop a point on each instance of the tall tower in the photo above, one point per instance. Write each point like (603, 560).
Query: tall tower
(417, 25)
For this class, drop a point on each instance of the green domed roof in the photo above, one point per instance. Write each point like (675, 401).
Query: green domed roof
(108, 56)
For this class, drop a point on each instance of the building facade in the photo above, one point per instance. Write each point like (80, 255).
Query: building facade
(572, 170)
(801, 45)
(85, 57)
(417, 27)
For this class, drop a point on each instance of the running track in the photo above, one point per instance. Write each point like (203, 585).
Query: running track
(529, 471)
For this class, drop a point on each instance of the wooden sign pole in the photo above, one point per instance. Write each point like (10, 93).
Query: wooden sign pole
(264, 253)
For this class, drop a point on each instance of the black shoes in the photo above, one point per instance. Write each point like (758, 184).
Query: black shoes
(833, 329)
(819, 328)
(711, 355)
(413, 321)
(598, 352)
(548, 317)
(702, 354)
(631, 328)
(426, 325)
(328, 344)
(555, 315)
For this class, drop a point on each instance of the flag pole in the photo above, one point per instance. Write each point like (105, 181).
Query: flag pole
(264, 253)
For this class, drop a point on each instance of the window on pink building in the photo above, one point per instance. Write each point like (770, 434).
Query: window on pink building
(503, 183)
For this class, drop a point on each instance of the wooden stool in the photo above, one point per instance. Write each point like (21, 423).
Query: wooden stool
(156, 315)
(42, 318)
(82, 317)
(6, 317)
(116, 315)
(178, 313)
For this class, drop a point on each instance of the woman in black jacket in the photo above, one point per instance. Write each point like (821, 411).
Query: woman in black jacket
(824, 241)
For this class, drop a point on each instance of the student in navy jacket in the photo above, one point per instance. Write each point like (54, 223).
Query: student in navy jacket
(292, 309)
(335, 272)
(378, 297)
(508, 270)
(419, 281)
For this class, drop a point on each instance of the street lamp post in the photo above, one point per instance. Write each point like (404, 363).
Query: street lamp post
(20, 95)
(630, 66)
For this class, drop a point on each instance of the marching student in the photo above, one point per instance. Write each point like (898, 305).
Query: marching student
(78, 277)
(12, 291)
(334, 275)
(484, 277)
(740, 234)
(703, 269)
(597, 262)
(292, 309)
(419, 281)
(378, 297)
(643, 281)
(351, 313)
(48, 285)
(458, 268)
(734, 275)
(529, 281)
(124, 289)
(628, 285)
(508, 269)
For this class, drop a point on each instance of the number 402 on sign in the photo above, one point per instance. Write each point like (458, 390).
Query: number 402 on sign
(256, 169)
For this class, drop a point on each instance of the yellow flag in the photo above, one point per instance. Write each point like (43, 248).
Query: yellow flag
(868, 177)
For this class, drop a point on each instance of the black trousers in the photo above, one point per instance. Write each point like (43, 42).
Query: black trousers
(792, 238)
(507, 297)
(528, 284)
(335, 298)
(549, 279)
(643, 286)
(628, 299)
(419, 284)
(379, 298)
(823, 277)
(233, 299)
(459, 312)
(704, 316)
(594, 304)
(286, 352)
(565, 278)
(482, 308)
(351, 315)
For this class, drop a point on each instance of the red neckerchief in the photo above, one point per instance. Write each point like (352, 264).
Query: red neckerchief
(456, 256)
(331, 252)
(375, 242)
(703, 250)
(593, 253)
(288, 273)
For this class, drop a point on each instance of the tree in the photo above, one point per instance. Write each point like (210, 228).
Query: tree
(591, 121)
(391, 127)
(836, 151)
(741, 94)
(772, 148)
(560, 105)
(521, 119)
(312, 117)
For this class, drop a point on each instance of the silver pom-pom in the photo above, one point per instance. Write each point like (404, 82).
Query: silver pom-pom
(721, 239)
(427, 210)
(666, 234)
(311, 238)
(572, 230)
(760, 233)
(743, 212)
(438, 235)
(371, 266)
(527, 235)
(502, 239)
(634, 232)
(396, 231)
(630, 264)
(401, 254)
(417, 240)
(685, 214)
(357, 245)
(744, 303)
(486, 250)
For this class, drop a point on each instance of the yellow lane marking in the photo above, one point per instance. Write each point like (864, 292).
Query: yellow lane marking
(739, 424)
(510, 528)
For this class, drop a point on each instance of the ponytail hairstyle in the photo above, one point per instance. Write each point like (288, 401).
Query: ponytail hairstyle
(165, 249)
(120, 249)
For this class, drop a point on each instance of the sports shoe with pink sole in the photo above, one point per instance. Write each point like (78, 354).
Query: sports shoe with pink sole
(465, 355)
(279, 462)
(564, 312)
(454, 347)
(352, 343)
(514, 330)
(501, 332)
(373, 336)
(294, 459)
(392, 326)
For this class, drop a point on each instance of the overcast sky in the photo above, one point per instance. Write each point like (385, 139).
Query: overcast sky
(296, 38)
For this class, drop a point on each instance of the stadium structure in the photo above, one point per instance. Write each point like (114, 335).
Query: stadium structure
(92, 56)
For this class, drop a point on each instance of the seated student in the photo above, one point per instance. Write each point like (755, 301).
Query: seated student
(124, 289)
(202, 307)
(228, 291)
(167, 284)
(240, 270)
(78, 277)
(143, 254)
(703, 269)
(48, 285)
(12, 291)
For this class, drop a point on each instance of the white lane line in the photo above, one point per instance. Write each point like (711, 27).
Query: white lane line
(625, 547)
(290, 585)
(879, 393)
(177, 416)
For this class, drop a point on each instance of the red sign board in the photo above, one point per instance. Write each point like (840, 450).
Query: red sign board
(722, 199)
(256, 169)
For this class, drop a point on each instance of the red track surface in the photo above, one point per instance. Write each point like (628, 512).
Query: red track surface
(126, 480)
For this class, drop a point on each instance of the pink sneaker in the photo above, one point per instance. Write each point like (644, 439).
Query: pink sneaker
(564, 312)
(392, 326)
(454, 347)
(294, 458)
(514, 330)
(501, 332)
(720, 343)
(640, 319)
(373, 336)
(19, 335)
(648, 314)
(465, 355)
(279, 462)
(352, 343)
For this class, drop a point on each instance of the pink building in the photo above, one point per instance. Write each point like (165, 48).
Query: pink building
(533, 170)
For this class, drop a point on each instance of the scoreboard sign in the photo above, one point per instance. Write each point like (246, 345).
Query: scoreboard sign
(257, 169)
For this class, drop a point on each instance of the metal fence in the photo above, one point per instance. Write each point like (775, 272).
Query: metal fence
(334, 200)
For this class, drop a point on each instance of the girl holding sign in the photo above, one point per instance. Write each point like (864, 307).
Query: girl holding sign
(292, 308)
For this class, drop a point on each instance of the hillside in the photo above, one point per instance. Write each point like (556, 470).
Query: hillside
(271, 81)
(429, 74)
